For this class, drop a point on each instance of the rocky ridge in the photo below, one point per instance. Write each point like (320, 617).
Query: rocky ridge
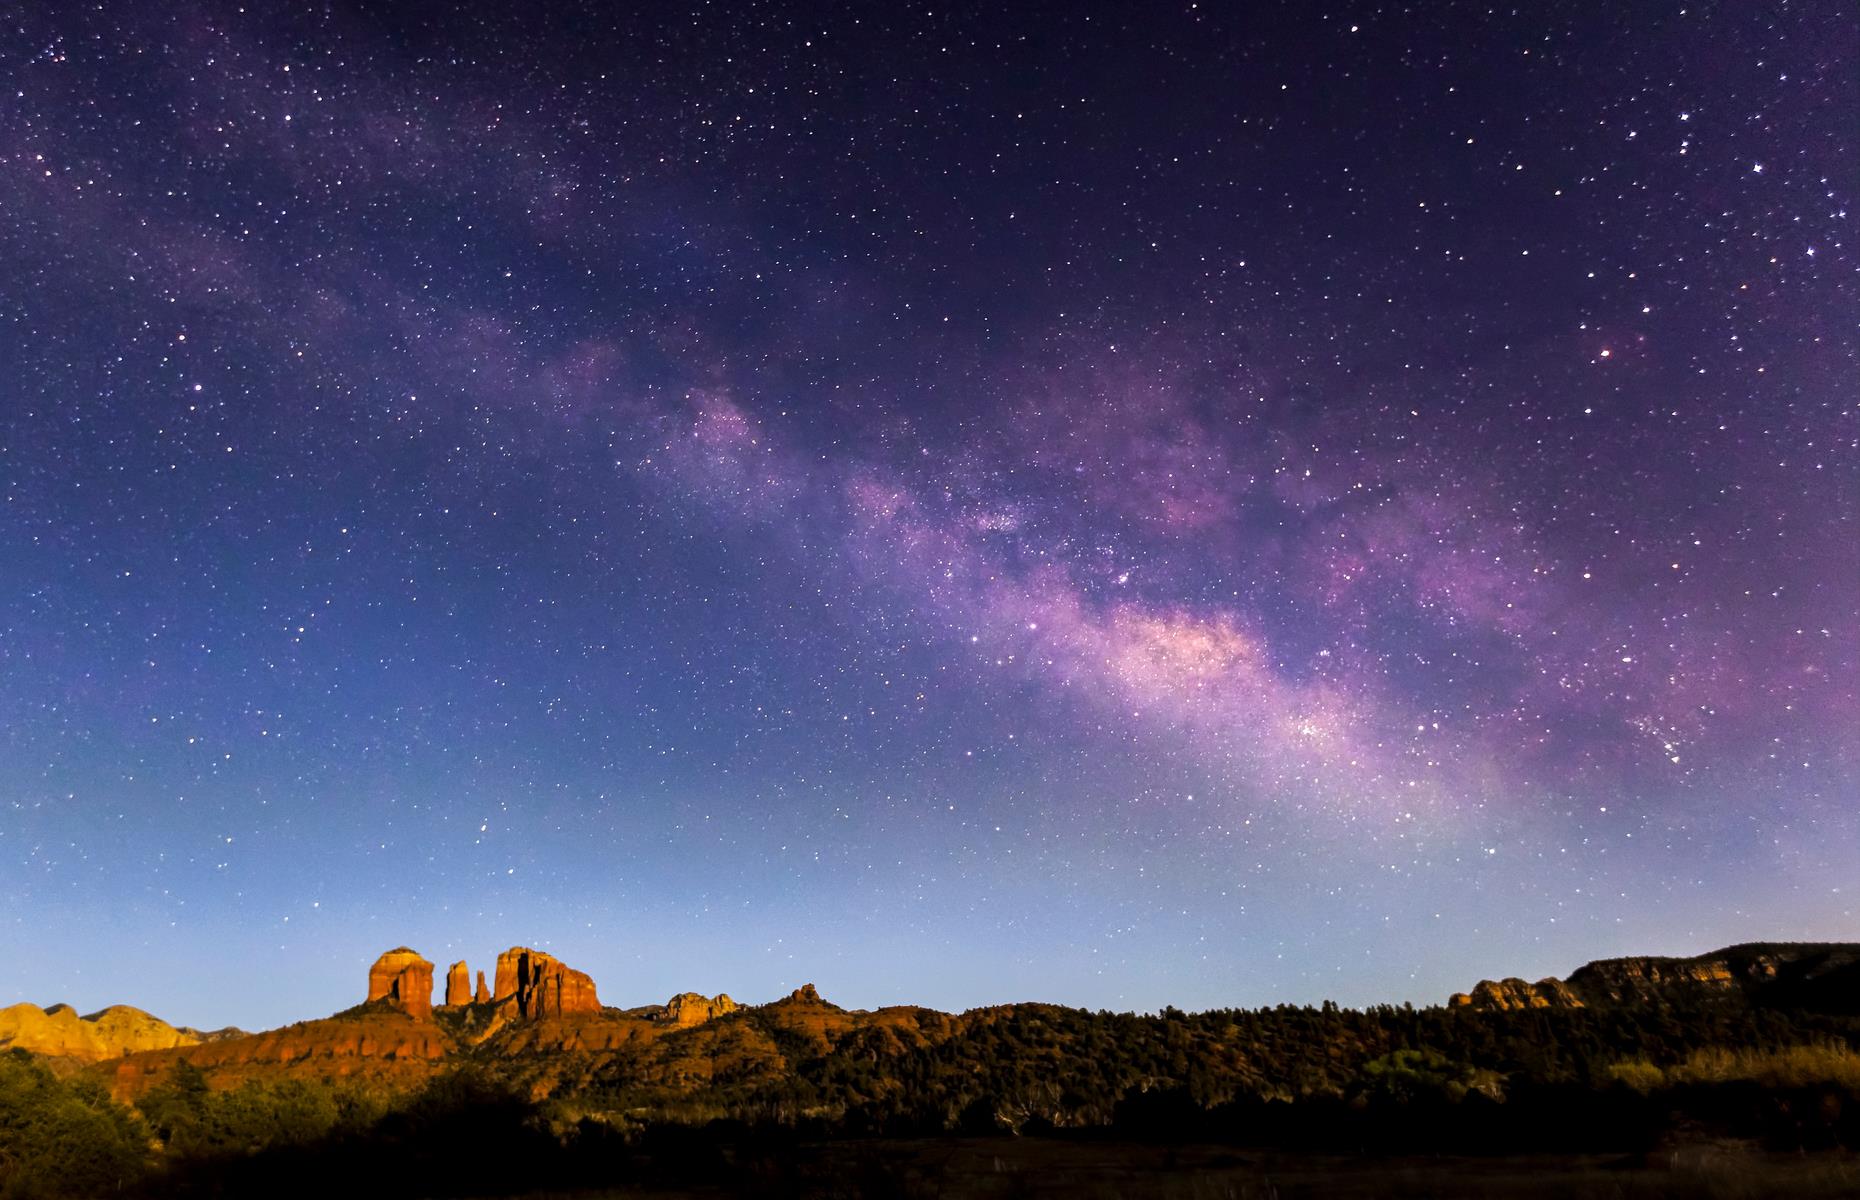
(1505, 995)
(59, 1032)
(543, 1027)
(1777, 973)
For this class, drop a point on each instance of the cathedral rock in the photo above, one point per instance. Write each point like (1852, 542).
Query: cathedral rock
(543, 985)
(403, 979)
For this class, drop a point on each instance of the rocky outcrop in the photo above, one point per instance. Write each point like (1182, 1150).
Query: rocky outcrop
(1819, 975)
(483, 994)
(1509, 994)
(543, 985)
(403, 979)
(58, 1031)
(692, 1008)
(458, 985)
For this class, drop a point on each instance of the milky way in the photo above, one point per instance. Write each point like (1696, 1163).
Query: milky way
(1123, 506)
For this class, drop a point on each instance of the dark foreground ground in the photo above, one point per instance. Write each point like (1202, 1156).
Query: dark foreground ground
(990, 1168)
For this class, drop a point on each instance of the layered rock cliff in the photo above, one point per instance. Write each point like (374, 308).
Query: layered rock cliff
(1812, 974)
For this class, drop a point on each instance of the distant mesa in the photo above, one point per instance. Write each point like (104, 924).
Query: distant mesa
(692, 1008)
(403, 979)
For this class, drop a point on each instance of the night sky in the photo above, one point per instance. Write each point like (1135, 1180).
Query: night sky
(1122, 505)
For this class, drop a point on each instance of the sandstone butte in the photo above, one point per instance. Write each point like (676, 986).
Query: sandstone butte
(403, 979)
(458, 985)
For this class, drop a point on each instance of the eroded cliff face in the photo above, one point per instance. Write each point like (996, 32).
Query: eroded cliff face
(458, 985)
(403, 979)
(543, 985)
(1818, 973)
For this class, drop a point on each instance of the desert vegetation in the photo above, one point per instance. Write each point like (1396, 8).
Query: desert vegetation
(757, 1100)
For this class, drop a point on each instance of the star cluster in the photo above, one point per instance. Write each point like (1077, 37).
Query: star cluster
(1198, 505)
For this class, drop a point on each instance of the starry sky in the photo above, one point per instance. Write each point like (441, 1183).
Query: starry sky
(1199, 504)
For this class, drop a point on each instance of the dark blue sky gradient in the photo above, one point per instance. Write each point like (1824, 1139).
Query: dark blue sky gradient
(1204, 505)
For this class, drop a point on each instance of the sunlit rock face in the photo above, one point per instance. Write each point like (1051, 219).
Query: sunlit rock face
(404, 980)
(58, 1031)
(691, 1008)
(458, 985)
(543, 985)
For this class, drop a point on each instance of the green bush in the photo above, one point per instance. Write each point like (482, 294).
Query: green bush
(60, 1138)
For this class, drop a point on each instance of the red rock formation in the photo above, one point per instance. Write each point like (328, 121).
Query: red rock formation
(542, 984)
(483, 995)
(690, 1008)
(458, 985)
(404, 980)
